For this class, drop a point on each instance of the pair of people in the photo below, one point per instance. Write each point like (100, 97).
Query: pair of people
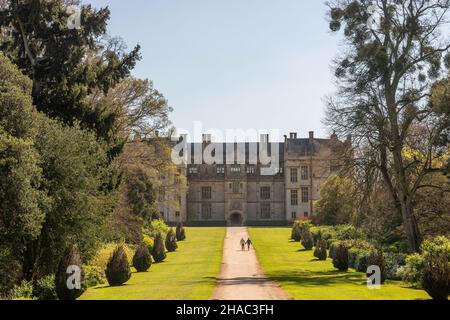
(248, 243)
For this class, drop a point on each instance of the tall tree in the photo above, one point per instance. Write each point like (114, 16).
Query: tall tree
(394, 52)
(66, 61)
(54, 181)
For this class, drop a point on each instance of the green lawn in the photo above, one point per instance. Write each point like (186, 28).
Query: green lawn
(187, 274)
(305, 278)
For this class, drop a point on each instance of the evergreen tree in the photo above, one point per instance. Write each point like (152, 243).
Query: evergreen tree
(159, 251)
(69, 278)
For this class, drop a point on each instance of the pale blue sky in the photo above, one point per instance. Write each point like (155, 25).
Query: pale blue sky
(258, 64)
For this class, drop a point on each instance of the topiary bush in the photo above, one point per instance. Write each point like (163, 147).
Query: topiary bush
(333, 247)
(340, 261)
(321, 250)
(118, 269)
(361, 260)
(142, 259)
(296, 233)
(159, 251)
(307, 240)
(71, 258)
(44, 288)
(376, 258)
(171, 241)
(180, 232)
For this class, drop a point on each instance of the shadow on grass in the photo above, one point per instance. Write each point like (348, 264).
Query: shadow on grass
(318, 278)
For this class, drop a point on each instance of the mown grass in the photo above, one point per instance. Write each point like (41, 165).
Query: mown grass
(305, 278)
(187, 274)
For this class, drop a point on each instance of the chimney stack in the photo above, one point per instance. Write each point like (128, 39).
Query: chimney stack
(311, 137)
(206, 138)
(293, 135)
(264, 138)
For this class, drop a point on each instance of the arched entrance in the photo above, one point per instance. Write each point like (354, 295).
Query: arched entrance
(236, 219)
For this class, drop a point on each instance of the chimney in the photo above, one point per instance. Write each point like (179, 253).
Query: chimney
(311, 137)
(293, 135)
(334, 136)
(206, 139)
(264, 138)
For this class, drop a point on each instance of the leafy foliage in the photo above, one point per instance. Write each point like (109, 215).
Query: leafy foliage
(337, 202)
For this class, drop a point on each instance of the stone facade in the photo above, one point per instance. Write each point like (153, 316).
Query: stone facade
(232, 193)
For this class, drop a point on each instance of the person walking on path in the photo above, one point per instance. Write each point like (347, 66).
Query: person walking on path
(242, 244)
(249, 243)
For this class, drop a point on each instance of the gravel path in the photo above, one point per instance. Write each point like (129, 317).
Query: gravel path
(241, 276)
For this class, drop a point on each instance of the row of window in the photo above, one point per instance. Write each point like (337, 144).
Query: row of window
(235, 169)
(304, 174)
(251, 170)
(304, 196)
(236, 187)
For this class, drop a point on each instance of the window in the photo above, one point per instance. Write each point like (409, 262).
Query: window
(294, 198)
(265, 210)
(294, 215)
(265, 193)
(177, 214)
(193, 170)
(179, 199)
(235, 168)
(251, 170)
(236, 187)
(306, 214)
(206, 211)
(305, 172)
(220, 169)
(294, 175)
(206, 193)
(305, 195)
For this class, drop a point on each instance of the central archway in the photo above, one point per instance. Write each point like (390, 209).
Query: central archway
(236, 219)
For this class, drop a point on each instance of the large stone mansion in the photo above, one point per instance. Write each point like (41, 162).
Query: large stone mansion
(236, 193)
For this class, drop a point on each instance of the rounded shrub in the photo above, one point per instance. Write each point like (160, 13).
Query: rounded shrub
(180, 232)
(333, 248)
(340, 261)
(159, 251)
(376, 258)
(118, 269)
(361, 260)
(171, 241)
(142, 259)
(394, 262)
(321, 250)
(307, 240)
(70, 262)
(296, 233)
